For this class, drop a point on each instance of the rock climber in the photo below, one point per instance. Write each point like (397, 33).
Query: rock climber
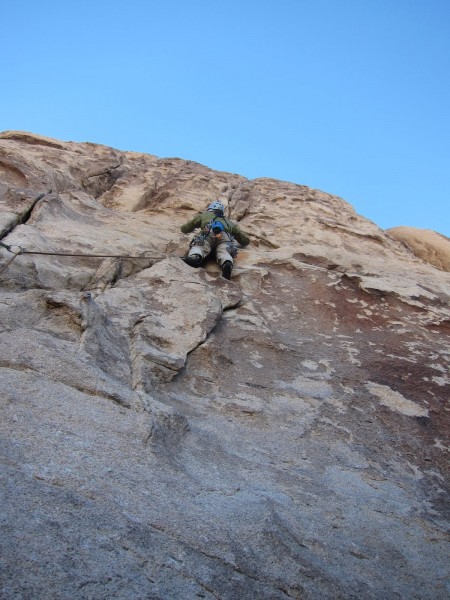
(217, 234)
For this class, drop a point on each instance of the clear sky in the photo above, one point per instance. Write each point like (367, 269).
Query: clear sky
(348, 96)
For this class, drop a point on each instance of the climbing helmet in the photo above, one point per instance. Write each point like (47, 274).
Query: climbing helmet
(216, 206)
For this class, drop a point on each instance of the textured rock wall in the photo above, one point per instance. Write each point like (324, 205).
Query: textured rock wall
(169, 434)
(430, 246)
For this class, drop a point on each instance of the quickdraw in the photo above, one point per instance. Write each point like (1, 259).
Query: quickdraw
(232, 248)
(198, 240)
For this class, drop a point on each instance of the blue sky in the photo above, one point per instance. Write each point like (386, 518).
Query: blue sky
(348, 96)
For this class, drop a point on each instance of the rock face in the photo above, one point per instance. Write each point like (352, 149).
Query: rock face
(430, 246)
(168, 434)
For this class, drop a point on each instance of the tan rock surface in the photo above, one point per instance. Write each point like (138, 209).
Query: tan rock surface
(169, 434)
(432, 247)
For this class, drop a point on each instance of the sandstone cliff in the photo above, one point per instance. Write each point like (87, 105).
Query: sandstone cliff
(430, 246)
(168, 434)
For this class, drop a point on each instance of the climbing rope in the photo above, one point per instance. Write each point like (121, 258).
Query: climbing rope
(16, 254)
(22, 251)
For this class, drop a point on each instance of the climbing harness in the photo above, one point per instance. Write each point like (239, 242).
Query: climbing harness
(215, 228)
(199, 240)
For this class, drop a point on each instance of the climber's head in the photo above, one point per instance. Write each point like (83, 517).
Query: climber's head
(217, 208)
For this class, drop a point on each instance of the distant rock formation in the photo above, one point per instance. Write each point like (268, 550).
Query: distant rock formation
(432, 247)
(169, 434)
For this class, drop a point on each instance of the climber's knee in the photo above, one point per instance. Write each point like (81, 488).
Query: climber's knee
(194, 260)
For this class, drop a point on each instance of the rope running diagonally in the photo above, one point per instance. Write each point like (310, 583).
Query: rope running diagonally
(15, 255)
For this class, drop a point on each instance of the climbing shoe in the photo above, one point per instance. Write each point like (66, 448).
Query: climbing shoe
(227, 267)
(194, 260)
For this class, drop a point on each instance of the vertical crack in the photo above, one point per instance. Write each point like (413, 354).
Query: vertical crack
(239, 202)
